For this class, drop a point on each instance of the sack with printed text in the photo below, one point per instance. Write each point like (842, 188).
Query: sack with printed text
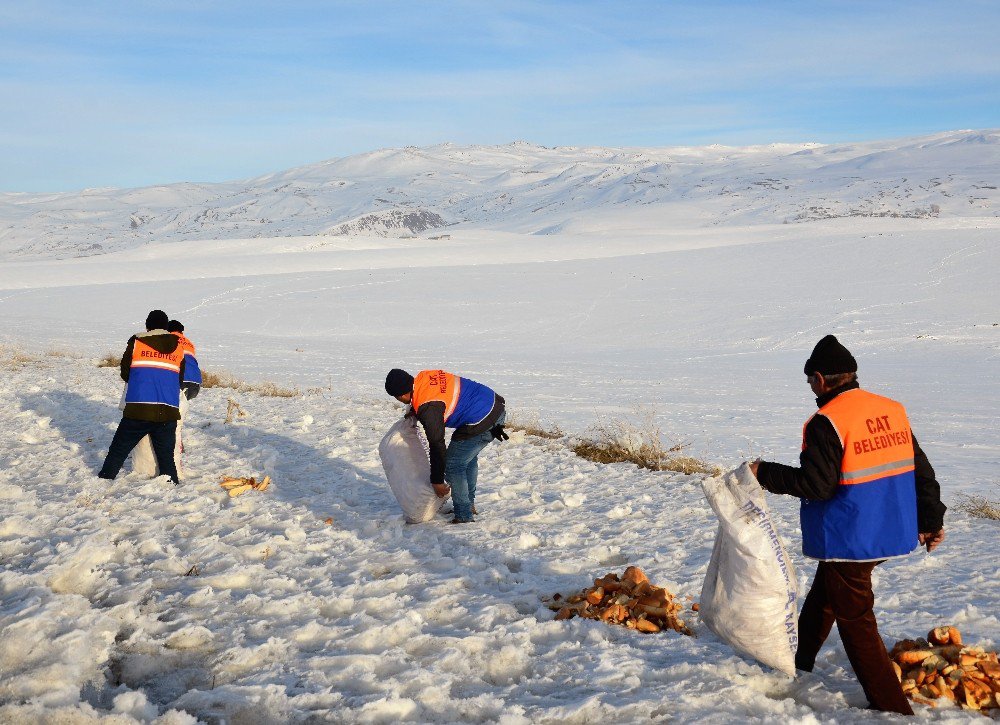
(750, 596)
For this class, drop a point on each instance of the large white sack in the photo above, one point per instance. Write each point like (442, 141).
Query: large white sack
(750, 594)
(144, 461)
(403, 451)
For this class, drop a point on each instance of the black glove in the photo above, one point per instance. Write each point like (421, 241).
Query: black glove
(497, 432)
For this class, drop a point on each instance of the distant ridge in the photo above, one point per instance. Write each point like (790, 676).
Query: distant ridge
(525, 188)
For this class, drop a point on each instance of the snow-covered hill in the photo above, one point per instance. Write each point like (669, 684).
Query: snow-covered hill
(525, 189)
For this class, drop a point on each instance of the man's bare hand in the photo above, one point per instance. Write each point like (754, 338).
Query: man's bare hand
(932, 541)
(754, 465)
(441, 489)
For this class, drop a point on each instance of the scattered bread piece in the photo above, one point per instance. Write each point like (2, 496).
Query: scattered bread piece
(236, 486)
(644, 625)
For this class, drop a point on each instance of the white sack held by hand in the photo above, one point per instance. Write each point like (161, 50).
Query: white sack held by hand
(404, 458)
(144, 460)
(749, 598)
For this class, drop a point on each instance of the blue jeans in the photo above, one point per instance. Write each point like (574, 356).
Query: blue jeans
(162, 435)
(461, 469)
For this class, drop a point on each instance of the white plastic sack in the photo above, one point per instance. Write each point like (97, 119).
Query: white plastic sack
(143, 459)
(750, 594)
(403, 451)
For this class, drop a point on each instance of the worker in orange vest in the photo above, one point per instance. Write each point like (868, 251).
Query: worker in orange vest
(868, 494)
(191, 382)
(153, 368)
(442, 400)
(143, 460)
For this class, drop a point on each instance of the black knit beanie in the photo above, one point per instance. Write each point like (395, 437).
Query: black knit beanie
(829, 357)
(398, 382)
(175, 326)
(157, 320)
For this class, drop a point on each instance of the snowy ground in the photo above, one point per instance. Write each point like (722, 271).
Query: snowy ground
(370, 619)
(704, 329)
(708, 330)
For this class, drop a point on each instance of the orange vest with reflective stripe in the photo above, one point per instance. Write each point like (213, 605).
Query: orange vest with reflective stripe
(873, 515)
(145, 356)
(430, 385)
(875, 433)
(154, 376)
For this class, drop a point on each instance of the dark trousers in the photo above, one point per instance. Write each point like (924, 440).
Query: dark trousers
(842, 593)
(162, 435)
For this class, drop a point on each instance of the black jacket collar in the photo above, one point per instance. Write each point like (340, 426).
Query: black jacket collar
(831, 394)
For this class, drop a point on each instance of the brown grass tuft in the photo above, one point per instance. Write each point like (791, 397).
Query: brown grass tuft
(618, 441)
(11, 358)
(979, 507)
(530, 425)
(224, 379)
(272, 390)
(110, 360)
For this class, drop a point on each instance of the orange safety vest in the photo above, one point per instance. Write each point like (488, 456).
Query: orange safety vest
(185, 343)
(192, 370)
(873, 515)
(154, 376)
(875, 433)
(144, 356)
(431, 385)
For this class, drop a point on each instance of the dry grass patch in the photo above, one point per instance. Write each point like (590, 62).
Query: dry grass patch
(619, 441)
(273, 390)
(11, 358)
(216, 380)
(979, 507)
(530, 425)
(110, 360)
(227, 380)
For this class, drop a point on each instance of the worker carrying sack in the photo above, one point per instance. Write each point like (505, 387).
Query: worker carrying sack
(403, 451)
(750, 595)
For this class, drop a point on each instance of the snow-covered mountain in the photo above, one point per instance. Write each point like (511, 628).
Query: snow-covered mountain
(525, 189)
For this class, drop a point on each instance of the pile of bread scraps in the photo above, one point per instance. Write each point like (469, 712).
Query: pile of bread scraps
(630, 600)
(941, 667)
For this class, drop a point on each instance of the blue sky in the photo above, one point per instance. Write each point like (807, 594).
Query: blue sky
(145, 92)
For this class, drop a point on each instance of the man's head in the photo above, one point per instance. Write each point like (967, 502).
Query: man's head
(156, 320)
(175, 326)
(399, 384)
(829, 366)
